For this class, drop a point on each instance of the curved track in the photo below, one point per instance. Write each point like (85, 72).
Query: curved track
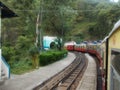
(69, 78)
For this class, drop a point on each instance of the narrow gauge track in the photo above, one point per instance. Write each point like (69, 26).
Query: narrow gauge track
(69, 78)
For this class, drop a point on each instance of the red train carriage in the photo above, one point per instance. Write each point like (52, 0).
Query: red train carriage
(80, 47)
(91, 48)
(70, 47)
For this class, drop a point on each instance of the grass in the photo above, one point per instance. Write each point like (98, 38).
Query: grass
(22, 66)
(21, 69)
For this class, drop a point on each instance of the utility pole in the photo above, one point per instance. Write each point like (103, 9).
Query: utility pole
(39, 41)
(41, 33)
(37, 31)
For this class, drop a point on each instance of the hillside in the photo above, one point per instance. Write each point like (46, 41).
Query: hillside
(76, 20)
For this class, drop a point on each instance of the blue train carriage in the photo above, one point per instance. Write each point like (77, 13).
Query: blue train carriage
(5, 12)
(113, 62)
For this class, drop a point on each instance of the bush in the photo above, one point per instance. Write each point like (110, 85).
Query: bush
(34, 52)
(8, 52)
(51, 56)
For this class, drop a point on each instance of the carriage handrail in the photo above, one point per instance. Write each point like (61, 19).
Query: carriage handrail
(6, 67)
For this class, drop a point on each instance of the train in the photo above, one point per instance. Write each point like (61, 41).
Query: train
(108, 54)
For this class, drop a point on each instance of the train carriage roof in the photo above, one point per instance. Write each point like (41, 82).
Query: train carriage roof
(104, 40)
(116, 26)
(82, 44)
(6, 12)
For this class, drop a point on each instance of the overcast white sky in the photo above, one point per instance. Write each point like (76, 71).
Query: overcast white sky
(115, 0)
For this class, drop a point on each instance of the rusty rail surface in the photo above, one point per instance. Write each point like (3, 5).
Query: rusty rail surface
(67, 79)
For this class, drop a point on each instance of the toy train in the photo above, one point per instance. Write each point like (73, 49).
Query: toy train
(108, 53)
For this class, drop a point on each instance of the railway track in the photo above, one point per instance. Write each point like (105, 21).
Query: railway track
(69, 78)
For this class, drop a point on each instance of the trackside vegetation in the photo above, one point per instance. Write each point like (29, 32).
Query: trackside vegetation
(27, 64)
(51, 56)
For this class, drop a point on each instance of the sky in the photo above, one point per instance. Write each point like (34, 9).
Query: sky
(115, 0)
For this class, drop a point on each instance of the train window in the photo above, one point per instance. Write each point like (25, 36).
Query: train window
(116, 63)
(115, 80)
(115, 74)
(116, 84)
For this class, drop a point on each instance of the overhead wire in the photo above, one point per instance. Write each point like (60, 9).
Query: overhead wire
(53, 10)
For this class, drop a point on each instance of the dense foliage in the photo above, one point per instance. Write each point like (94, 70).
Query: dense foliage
(94, 19)
(68, 19)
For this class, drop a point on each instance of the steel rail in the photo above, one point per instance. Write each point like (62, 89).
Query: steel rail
(65, 79)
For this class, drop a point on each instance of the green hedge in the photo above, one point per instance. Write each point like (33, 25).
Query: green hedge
(49, 57)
